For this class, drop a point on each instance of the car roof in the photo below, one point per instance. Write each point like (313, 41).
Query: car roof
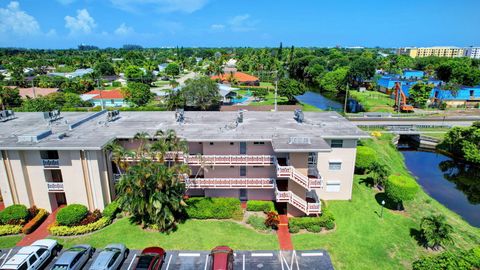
(28, 250)
(102, 259)
(67, 257)
(45, 242)
(144, 261)
(220, 257)
(153, 250)
(17, 259)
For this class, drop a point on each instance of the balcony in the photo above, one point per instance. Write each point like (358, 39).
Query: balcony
(295, 200)
(50, 163)
(228, 160)
(314, 179)
(55, 186)
(220, 183)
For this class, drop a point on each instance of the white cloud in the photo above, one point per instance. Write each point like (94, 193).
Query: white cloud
(165, 6)
(242, 23)
(123, 29)
(16, 21)
(82, 23)
(217, 27)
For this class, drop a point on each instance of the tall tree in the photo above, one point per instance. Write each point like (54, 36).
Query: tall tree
(138, 93)
(290, 88)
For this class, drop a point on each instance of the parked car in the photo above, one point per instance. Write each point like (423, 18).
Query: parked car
(151, 258)
(110, 258)
(32, 257)
(74, 258)
(222, 258)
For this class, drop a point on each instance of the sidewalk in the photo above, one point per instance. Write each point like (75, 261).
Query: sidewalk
(283, 234)
(40, 233)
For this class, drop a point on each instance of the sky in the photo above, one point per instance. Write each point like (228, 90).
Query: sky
(257, 23)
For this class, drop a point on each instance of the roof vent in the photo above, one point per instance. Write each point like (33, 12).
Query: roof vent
(6, 115)
(240, 117)
(299, 140)
(113, 115)
(86, 119)
(298, 116)
(34, 137)
(51, 116)
(180, 115)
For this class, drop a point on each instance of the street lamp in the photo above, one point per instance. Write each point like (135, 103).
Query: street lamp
(383, 206)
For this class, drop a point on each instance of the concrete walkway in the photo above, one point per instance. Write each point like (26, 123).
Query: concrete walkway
(41, 232)
(283, 234)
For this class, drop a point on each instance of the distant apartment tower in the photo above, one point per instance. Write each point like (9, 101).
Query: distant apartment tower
(472, 52)
(449, 52)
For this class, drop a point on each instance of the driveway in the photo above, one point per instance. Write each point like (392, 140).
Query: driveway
(160, 91)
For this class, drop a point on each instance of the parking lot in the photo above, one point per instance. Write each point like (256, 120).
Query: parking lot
(266, 260)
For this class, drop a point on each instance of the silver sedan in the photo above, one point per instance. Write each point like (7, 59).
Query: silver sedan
(110, 258)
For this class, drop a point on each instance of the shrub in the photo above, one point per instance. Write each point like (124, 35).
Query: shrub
(315, 229)
(91, 217)
(272, 220)
(312, 224)
(72, 214)
(264, 206)
(10, 229)
(293, 228)
(16, 214)
(401, 188)
(329, 225)
(216, 208)
(35, 221)
(76, 230)
(365, 158)
(258, 223)
(463, 260)
(32, 211)
(111, 210)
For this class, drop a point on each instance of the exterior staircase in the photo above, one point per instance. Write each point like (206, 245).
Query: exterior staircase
(299, 203)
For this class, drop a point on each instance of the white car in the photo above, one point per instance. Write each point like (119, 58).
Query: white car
(32, 257)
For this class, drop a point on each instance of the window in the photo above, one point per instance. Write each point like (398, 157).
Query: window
(211, 143)
(243, 148)
(41, 251)
(32, 259)
(312, 158)
(49, 154)
(335, 165)
(114, 258)
(333, 186)
(243, 171)
(23, 266)
(258, 142)
(232, 143)
(336, 143)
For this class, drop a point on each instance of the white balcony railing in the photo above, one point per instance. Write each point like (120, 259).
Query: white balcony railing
(55, 186)
(266, 183)
(295, 200)
(295, 175)
(227, 160)
(50, 163)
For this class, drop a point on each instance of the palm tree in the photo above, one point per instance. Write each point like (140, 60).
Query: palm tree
(436, 231)
(143, 138)
(118, 154)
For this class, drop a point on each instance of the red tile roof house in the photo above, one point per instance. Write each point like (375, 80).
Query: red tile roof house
(34, 92)
(110, 98)
(242, 78)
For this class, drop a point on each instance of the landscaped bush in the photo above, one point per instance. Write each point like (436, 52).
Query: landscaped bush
(216, 208)
(35, 221)
(111, 210)
(263, 206)
(82, 229)
(258, 223)
(16, 214)
(312, 224)
(91, 217)
(366, 156)
(272, 220)
(401, 188)
(464, 260)
(10, 229)
(72, 214)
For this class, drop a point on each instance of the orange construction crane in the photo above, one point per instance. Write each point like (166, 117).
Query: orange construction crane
(401, 100)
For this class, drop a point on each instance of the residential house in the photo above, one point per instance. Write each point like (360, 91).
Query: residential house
(109, 98)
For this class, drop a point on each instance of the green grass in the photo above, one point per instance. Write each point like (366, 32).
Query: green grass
(161, 83)
(266, 84)
(9, 241)
(362, 240)
(373, 101)
(192, 235)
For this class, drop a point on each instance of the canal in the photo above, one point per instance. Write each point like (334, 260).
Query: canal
(453, 183)
(320, 101)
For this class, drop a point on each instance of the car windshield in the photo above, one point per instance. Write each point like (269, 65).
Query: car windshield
(77, 249)
(60, 267)
(112, 249)
(144, 262)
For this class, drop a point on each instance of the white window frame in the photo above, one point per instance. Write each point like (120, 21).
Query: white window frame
(334, 161)
(335, 186)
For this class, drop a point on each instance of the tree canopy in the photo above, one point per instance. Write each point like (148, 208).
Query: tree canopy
(290, 88)
(138, 93)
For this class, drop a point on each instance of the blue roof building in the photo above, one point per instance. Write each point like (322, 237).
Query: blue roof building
(413, 74)
(463, 94)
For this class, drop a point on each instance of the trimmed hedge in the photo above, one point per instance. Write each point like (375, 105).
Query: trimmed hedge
(400, 188)
(10, 229)
(464, 260)
(312, 224)
(72, 214)
(16, 214)
(258, 223)
(214, 208)
(111, 210)
(366, 156)
(82, 229)
(261, 206)
(35, 221)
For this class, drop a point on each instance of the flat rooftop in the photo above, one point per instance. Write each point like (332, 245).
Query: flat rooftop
(91, 131)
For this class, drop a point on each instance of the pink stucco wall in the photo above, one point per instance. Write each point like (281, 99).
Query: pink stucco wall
(259, 149)
(234, 172)
(221, 148)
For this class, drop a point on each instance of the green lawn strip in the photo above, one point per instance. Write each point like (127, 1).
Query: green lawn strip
(9, 241)
(192, 235)
(362, 240)
(373, 101)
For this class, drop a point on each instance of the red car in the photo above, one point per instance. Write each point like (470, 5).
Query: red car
(151, 258)
(222, 258)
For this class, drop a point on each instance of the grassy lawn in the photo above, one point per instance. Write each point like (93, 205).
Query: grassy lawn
(161, 83)
(192, 235)
(9, 241)
(362, 240)
(373, 101)
(266, 84)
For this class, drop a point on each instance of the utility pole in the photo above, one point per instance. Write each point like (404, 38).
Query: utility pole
(100, 91)
(345, 103)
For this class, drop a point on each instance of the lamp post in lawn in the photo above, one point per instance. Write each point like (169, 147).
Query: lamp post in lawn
(383, 206)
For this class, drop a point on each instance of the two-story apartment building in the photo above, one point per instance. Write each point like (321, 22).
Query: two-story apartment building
(293, 159)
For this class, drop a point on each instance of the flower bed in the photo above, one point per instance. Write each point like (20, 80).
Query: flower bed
(33, 224)
(18, 218)
(81, 229)
(10, 229)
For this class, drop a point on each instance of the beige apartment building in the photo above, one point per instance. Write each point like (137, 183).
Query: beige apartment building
(294, 159)
(449, 52)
